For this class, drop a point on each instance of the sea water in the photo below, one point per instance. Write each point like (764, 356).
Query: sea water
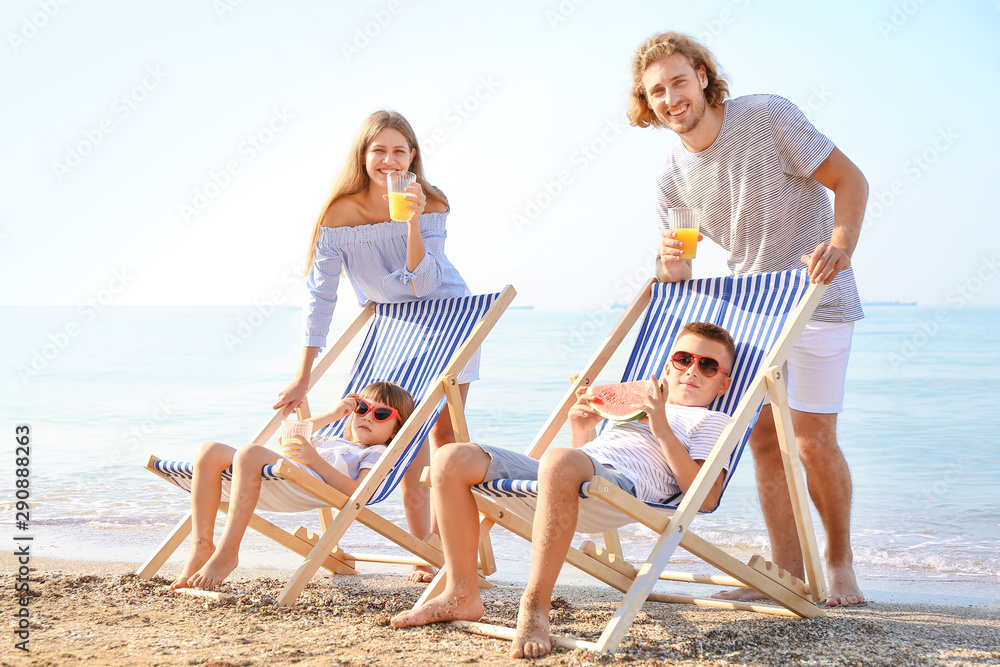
(103, 390)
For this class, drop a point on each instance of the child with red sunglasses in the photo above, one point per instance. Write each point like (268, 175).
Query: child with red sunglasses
(376, 414)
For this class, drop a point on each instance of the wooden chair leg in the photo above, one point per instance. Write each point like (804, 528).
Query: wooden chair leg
(613, 543)
(487, 563)
(166, 548)
(796, 484)
(455, 408)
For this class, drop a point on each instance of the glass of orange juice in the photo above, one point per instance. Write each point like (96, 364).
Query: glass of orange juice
(397, 182)
(292, 427)
(685, 222)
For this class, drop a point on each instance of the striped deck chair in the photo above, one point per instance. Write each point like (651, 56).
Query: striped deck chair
(765, 313)
(422, 346)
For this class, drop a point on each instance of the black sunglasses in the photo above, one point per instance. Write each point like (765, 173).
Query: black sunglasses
(707, 365)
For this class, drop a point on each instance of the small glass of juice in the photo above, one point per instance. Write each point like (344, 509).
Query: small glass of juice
(293, 427)
(685, 222)
(397, 182)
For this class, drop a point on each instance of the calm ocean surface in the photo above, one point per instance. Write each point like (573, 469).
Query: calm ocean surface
(103, 390)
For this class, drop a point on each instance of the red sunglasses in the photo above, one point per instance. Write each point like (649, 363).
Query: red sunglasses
(380, 413)
(707, 365)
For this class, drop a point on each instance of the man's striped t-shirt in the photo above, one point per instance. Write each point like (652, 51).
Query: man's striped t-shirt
(635, 452)
(756, 193)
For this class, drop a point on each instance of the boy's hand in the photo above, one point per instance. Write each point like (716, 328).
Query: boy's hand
(581, 416)
(300, 449)
(653, 404)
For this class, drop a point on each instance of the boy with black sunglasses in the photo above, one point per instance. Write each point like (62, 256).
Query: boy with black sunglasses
(653, 459)
(374, 418)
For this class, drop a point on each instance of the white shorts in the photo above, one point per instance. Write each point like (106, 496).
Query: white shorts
(817, 368)
(471, 371)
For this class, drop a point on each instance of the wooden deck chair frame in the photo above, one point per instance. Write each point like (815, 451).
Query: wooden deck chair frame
(322, 550)
(796, 598)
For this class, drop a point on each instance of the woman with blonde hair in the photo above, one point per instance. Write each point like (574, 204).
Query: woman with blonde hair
(386, 261)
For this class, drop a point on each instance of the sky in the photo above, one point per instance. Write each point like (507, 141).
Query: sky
(179, 153)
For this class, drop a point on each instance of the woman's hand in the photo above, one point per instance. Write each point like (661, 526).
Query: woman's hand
(292, 396)
(415, 200)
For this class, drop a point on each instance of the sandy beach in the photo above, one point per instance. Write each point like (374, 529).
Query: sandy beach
(101, 613)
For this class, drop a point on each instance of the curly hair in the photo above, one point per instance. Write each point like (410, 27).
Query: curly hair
(664, 45)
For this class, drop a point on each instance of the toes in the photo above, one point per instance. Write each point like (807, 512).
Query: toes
(421, 576)
(845, 600)
(404, 620)
(535, 650)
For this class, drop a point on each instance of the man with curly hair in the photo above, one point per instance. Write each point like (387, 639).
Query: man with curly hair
(759, 171)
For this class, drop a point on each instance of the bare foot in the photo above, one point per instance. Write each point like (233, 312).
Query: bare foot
(532, 638)
(740, 594)
(422, 574)
(844, 588)
(201, 550)
(214, 571)
(449, 606)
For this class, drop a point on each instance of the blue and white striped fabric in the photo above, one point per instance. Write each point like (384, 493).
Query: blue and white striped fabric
(276, 494)
(753, 308)
(409, 344)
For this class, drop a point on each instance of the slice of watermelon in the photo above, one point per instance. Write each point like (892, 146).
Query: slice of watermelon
(615, 401)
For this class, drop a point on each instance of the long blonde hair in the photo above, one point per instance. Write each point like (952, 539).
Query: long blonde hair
(387, 393)
(353, 178)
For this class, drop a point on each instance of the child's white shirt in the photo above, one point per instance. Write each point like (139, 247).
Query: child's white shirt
(345, 456)
(633, 450)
